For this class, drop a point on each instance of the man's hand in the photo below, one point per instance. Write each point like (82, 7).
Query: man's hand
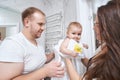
(54, 69)
(50, 56)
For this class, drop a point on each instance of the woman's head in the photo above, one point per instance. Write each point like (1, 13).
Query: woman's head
(109, 21)
(96, 29)
(74, 31)
(106, 66)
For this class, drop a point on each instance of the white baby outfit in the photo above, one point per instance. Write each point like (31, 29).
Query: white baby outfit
(60, 56)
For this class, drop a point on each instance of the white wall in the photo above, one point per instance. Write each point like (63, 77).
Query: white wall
(8, 16)
(9, 19)
(70, 12)
(85, 17)
(50, 8)
(97, 3)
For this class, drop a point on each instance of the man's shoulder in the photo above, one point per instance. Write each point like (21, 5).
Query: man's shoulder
(17, 38)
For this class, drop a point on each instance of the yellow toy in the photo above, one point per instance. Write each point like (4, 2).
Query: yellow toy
(77, 48)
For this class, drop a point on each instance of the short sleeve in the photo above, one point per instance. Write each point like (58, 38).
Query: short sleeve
(11, 51)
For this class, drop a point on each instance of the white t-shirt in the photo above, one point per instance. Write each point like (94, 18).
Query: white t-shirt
(18, 49)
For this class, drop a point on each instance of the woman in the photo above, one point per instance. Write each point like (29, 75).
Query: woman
(105, 65)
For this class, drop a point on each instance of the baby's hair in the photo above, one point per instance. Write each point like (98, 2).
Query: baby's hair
(76, 24)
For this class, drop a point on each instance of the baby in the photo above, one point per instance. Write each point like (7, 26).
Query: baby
(70, 46)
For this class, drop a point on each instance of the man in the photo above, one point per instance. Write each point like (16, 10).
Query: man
(21, 58)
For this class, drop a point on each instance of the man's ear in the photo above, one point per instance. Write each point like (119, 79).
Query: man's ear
(26, 22)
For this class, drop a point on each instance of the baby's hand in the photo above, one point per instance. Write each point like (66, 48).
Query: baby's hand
(85, 46)
(74, 54)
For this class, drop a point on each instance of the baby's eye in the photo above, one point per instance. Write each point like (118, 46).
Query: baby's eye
(73, 33)
(79, 34)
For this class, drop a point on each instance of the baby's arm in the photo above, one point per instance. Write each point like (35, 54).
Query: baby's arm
(85, 46)
(64, 50)
(85, 59)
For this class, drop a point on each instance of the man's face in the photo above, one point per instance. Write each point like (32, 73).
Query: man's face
(37, 25)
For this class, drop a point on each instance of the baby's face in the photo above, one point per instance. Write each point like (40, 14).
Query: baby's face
(74, 33)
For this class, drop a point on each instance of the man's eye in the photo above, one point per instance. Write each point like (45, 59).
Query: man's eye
(41, 24)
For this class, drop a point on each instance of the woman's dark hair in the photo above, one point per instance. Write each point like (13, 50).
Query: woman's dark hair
(106, 66)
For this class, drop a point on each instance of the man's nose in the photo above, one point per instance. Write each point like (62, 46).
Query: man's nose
(43, 28)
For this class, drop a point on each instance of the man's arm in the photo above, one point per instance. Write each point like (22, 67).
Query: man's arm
(50, 56)
(52, 69)
(13, 71)
(10, 70)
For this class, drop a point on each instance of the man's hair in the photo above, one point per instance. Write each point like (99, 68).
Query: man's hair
(29, 11)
